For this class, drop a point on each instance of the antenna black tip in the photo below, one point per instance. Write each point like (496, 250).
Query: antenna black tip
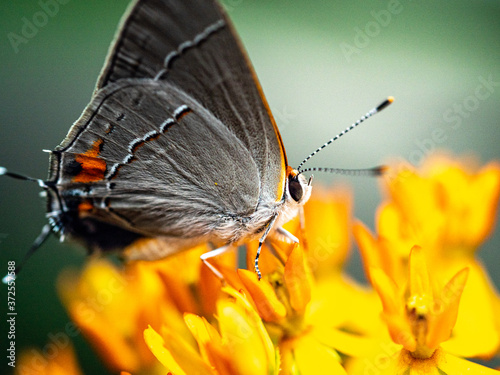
(385, 103)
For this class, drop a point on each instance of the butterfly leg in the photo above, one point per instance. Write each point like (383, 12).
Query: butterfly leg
(261, 242)
(302, 223)
(212, 254)
(287, 236)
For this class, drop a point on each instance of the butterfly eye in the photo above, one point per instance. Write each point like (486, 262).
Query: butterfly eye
(295, 188)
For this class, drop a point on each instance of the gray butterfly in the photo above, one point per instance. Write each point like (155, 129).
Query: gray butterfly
(177, 146)
(178, 142)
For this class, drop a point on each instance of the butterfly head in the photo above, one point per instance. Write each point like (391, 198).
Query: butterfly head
(298, 187)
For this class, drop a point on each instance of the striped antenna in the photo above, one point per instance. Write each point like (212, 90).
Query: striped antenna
(5, 172)
(46, 230)
(377, 109)
(42, 237)
(375, 171)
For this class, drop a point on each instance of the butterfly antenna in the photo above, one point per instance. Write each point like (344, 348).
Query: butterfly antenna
(372, 172)
(5, 172)
(42, 237)
(46, 230)
(369, 114)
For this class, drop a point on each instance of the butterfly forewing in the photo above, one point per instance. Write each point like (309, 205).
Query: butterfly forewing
(192, 44)
(177, 141)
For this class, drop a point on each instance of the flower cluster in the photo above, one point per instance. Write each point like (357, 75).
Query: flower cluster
(429, 305)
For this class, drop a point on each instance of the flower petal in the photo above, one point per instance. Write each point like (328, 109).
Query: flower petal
(455, 365)
(484, 195)
(297, 280)
(109, 343)
(263, 295)
(475, 333)
(338, 301)
(34, 362)
(345, 342)
(394, 313)
(241, 335)
(259, 327)
(312, 358)
(388, 292)
(204, 333)
(378, 253)
(368, 247)
(327, 216)
(446, 310)
(419, 275)
(175, 354)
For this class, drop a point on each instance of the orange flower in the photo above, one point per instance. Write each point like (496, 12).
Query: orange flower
(326, 233)
(448, 210)
(419, 318)
(152, 318)
(436, 204)
(240, 346)
(284, 300)
(112, 307)
(61, 362)
(300, 307)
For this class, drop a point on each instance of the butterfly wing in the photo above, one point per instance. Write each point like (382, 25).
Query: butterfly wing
(192, 44)
(178, 140)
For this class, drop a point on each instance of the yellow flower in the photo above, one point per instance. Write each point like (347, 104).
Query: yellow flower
(61, 361)
(427, 317)
(113, 306)
(446, 207)
(325, 236)
(325, 243)
(300, 307)
(306, 316)
(419, 318)
(435, 204)
(283, 300)
(449, 210)
(241, 345)
(301, 317)
(304, 322)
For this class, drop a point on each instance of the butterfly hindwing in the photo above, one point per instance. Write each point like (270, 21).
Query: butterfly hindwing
(163, 175)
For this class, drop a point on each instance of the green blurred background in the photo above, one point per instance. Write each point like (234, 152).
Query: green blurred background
(319, 74)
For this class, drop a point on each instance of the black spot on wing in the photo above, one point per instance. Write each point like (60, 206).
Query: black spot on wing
(73, 168)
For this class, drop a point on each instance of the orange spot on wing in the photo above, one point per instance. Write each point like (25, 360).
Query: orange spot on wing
(93, 167)
(85, 206)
